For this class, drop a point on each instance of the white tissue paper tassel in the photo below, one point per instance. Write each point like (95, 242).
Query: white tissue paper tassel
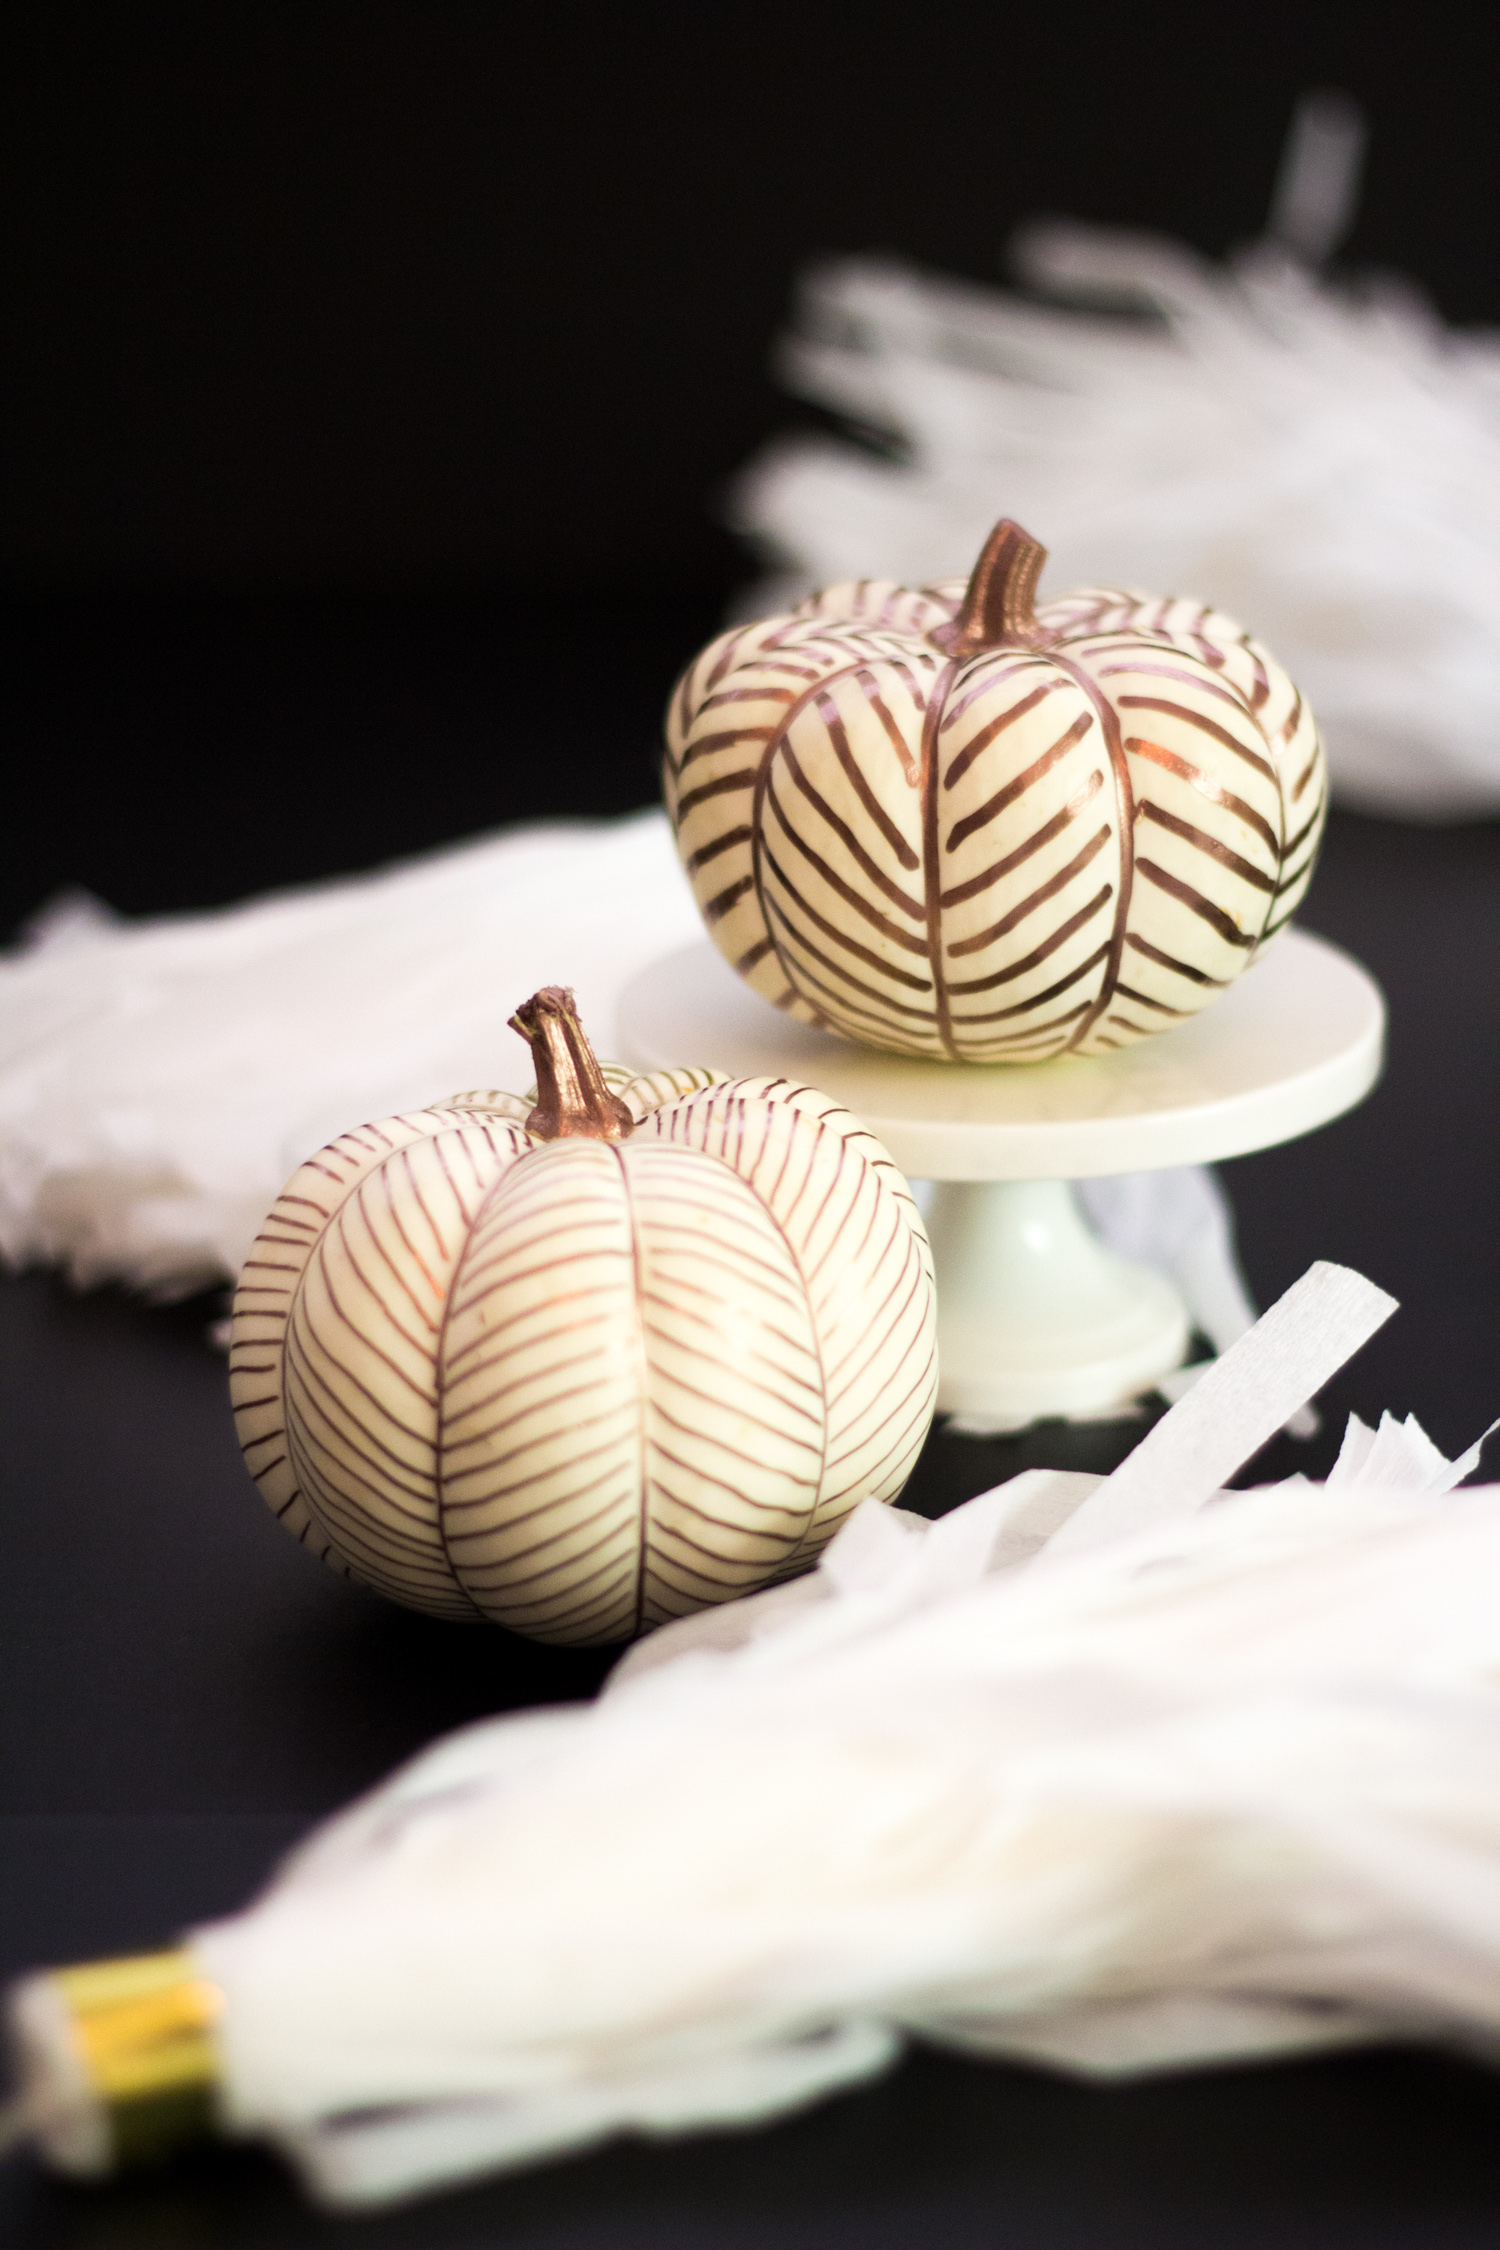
(160, 1080)
(1221, 1785)
(1323, 464)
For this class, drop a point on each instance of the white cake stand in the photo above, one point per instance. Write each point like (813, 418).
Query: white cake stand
(1035, 1315)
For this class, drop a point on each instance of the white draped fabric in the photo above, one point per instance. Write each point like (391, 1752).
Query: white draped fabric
(159, 1081)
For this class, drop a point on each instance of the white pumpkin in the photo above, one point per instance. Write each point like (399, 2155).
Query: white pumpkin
(582, 1367)
(942, 821)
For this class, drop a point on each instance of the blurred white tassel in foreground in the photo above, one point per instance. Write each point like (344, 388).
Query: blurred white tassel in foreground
(1113, 1774)
(1324, 465)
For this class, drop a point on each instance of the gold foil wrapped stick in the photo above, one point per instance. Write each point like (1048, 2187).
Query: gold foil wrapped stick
(117, 2060)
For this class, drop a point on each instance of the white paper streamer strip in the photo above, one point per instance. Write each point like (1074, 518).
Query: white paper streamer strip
(1236, 1406)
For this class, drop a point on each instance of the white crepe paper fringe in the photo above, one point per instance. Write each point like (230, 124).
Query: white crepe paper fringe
(1321, 462)
(160, 1081)
(1115, 1775)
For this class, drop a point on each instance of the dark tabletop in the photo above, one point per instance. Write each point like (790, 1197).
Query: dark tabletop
(184, 1691)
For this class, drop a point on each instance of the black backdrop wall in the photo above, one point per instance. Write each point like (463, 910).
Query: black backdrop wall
(374, 370)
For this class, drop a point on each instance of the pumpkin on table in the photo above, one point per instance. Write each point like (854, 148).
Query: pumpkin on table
(587, 1364)
(945, 821)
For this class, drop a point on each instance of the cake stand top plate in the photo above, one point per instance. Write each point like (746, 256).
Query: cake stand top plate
(1296, 1041)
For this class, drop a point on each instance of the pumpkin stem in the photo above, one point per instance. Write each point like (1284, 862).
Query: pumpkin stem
(998, 607)
(572, 1098)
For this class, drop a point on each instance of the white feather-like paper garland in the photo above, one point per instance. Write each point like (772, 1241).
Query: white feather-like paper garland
(1219, 1785)
(1324, 466)
(160, 1080)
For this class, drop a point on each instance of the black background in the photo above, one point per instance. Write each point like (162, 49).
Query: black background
(372, 378)
(374, 372)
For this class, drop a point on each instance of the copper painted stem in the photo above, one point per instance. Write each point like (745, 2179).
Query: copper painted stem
(573, 1101)
(999, 605)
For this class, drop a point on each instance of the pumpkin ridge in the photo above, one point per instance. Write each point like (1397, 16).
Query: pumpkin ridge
(851, 843)
(1172, 761)
(269, 1321)
(932, 886)
(373, 1549)
(904, 1225)
(1188, 895)
(1247, 705)
(373, 1536)
(1215, 688)
(1020, 784)
(1201, 841)
(1013, 713)
(1041, 1000)
(1042, 951)
(906, 939)
(643, 1394)
(847, 976)
(887, 719)
(838, 735)
(393, 1212)
(1206, 726)
(1251, 703)
(1284, 803)
(758, 803)
(814, 1328)
(871, 959)
(850, 1007)
(1119, 765)
(671, 1550)
(913, 1266)
(1299, 840)
(921, 1391)
(975, 885)
(811, 1221)
(799, 1263)
(841, 969)
(1250, 707)
(1012, 920)
(318, 1264)
(440, 1372)
(517, 1526)
(322, 1402)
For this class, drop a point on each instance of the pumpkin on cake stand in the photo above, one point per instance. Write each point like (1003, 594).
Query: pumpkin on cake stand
(939, 833)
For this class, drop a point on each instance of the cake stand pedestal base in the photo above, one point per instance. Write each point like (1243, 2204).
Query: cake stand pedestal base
(1035, 1315)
